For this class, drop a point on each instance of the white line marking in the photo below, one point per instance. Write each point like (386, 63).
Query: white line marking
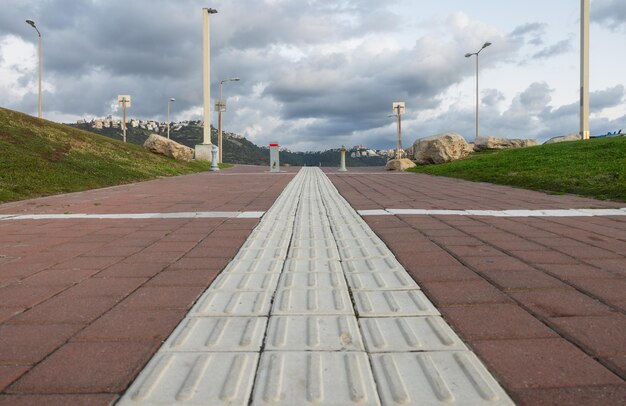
(499, 213)
(138, 216)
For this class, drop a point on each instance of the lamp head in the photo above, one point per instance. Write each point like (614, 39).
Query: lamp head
(486, 45)
(235, 79)
(30, 22)
(468, 55)
(211, 10)
(172, 99)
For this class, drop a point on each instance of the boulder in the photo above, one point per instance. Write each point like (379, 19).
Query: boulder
(400, 164)
(441, 148)
(161, 145)
(564, 138)
(484, 143)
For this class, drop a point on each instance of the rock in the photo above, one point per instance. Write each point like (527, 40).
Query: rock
(484, 143)
(400, 164)
(161, 145)
(441, 148)
(563, 138)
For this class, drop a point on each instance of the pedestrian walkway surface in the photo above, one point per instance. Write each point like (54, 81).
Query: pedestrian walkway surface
(103, 294)
(314, 309)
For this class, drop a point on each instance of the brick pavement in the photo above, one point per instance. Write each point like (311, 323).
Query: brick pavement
(540, 300)
(85, 303)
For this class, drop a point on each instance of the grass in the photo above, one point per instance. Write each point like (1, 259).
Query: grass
(594, 168)
(41, 158)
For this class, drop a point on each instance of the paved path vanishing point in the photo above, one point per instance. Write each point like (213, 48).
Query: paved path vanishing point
(314, 307)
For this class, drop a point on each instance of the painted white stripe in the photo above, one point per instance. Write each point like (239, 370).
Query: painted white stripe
(499, 213)
(138, 216)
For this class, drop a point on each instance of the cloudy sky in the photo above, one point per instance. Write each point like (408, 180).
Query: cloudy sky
(317, 73)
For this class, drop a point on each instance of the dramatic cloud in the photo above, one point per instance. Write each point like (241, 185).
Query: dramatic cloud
(315, 74)
(611, 13)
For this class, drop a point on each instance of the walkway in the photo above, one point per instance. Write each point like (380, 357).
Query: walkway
(346, 325)
(92, 284)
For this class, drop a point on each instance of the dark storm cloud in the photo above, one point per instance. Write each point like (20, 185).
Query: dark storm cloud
(561, 47)
(611, 13)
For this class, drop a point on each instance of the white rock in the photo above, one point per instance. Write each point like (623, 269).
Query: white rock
(564, 138)
(161, 145)
(400, 164)
(441, 148)
(484, 143)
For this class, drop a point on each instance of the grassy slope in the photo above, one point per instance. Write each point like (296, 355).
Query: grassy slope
(38, 158)
(595, 168)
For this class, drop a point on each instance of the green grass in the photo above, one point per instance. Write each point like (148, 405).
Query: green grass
(594, 168)
(40, 158)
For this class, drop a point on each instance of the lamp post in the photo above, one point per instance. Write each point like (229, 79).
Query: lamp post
(171, 99)
(32, 23)
(477, 89)
(220, 106)
(584, 69)
(203, 151)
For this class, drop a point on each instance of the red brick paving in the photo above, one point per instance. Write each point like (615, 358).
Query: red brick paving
(85, 303)
(542, 301)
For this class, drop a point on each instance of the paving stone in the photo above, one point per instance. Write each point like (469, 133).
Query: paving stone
(314, 253)
(304, 265)
(57, 400)
(464, 293)
(372, 265)
(265, 266)
(9, 373)
(246, 281)
(560, 303)
(272, 254)
(405, 334)
(390, 280)
(393, 303)
(312, 301)
(185, 378)
(582, 395)
(602, 336)
(312, 280)
(218, 334)
(309, 378)
(313, 333)
(87, 368)
(232, 303)
(495, 321)
(542, 363)
(435, 378)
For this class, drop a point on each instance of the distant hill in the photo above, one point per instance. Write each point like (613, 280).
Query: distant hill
(237, 149)
(39, 158)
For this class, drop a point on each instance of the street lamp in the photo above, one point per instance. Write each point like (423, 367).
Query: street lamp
(168, 116)
(477, 94)
(584, 69)
(220, 106)
(32, 24)
(203, 151)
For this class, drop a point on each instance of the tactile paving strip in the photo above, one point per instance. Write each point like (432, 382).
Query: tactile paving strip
(314, 310)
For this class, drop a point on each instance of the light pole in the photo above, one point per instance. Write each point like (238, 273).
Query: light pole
(220, 106)
(171, 99)
(32, 23)
(203, 151)
(477, 89)
(584, 69)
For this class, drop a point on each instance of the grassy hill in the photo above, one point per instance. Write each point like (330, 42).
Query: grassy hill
(594, 168)
(39, 158)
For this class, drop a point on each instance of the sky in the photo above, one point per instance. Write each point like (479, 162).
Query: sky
(316, 74)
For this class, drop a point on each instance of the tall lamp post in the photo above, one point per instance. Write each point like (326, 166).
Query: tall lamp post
(220, 107)
(32, 23)
(203, 151)
(584, 69)
(169, 101)
(477, 89)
